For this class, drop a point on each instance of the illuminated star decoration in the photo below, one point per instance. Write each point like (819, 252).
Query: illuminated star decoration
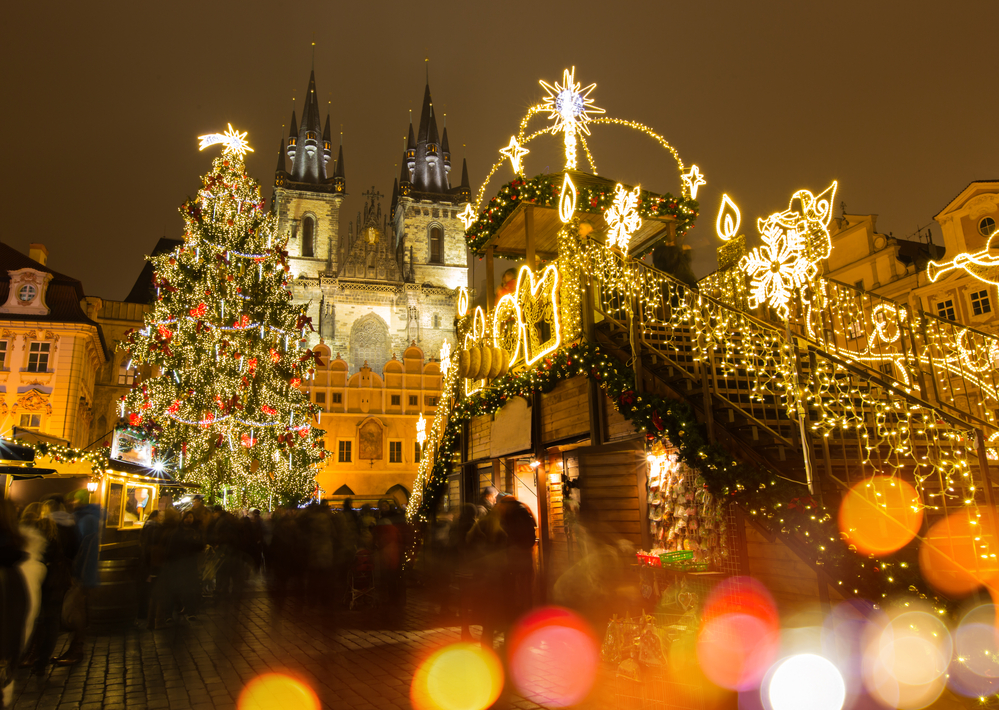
(569, 106)
(445, 357)
(778, 267)
(468, 216)
(234, 142)
(694, 180)
(622, 217)
(515, 152)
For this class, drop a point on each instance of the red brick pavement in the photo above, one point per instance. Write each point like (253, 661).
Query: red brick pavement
(352, 660)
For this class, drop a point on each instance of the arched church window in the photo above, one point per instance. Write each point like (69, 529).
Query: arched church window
(436, 244)
(308, 236)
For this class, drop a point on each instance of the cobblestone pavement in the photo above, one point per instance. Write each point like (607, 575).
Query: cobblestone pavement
(352, 660)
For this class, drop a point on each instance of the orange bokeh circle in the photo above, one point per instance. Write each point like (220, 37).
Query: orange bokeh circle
(951, 555)
(880, 515)
(275, 691)
(462, 676)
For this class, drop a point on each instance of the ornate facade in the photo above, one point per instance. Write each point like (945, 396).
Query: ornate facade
(51, 349)
(389, 280)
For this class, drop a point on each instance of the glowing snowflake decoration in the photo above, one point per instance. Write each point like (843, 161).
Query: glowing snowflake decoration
(445, 357)
(468, 216)
(234, 143)
(777, 268)
(570, 106)
(515, 152)
(622, 217)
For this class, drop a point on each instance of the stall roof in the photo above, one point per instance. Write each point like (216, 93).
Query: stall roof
(510, 240)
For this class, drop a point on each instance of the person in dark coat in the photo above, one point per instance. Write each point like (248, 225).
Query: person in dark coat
(182, 566)
(21, 575)
(58, 579)
(85, 571)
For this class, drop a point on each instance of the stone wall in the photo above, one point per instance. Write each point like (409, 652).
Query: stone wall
(292, 207)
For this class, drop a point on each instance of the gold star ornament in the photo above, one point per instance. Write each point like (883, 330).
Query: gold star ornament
(694, 180)
(515, 152)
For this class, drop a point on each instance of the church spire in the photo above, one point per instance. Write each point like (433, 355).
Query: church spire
(309, 158)
(280, 163)
(446, 154)
(327, 141)
(339, 176)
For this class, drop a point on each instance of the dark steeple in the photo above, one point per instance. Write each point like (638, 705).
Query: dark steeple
(327, 141)
(293, 136)
(446, 153)
(281, 164)
(339, 177)
(464, 173)
(428, 171)
(308, 157)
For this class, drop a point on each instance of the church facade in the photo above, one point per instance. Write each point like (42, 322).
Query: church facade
(380, 294)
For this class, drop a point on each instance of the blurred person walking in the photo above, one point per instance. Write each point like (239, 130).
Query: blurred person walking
(58, 579)
(21, 574)
(75, 613)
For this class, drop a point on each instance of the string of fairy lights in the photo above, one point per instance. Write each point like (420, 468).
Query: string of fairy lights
(854, 370)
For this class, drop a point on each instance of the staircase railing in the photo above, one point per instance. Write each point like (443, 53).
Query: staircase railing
(808, 385)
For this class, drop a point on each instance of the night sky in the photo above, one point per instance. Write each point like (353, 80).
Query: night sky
(103, 102)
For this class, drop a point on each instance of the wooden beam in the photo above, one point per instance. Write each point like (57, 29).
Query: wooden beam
(490, 280)
(529, 235)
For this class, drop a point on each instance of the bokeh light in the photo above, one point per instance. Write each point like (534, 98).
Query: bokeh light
(275, 691)
(906, 661)
(880, 515)
(958, 554)
(462, 676)
(740, 634)
(807, 681)
(974, 671)
(554, 657)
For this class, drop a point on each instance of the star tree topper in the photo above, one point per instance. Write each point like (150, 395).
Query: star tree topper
(467, 216)
(234, 143)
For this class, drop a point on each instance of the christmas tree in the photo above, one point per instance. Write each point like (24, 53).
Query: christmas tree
(224, 405)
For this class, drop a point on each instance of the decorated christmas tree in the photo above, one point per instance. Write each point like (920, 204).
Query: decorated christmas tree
(224, 403)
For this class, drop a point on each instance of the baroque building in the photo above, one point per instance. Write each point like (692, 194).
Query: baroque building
(51, 350)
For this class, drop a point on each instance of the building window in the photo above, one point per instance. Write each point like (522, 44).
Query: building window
(980, 303)
(416, 452)
(887, 368)
(431, 401)
(126, 374)
(986, 227)
(38, 357)
(414, 401)
(308, 236)
(3, 354)
(320, 398)
(437, 321)
(436, 244)
(859, 284)
(945, 309)
(396, 400)
(395, 452)
(337, 398)
(31, 421)
(27, 293)
(344, 452)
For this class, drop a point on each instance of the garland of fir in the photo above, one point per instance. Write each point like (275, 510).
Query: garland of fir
(99, 460)
(774, 502)
(545, 190)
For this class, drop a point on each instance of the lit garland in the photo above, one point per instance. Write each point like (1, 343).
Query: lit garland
(545, 190)
(227, 409)
(768, 498)
(99, 460)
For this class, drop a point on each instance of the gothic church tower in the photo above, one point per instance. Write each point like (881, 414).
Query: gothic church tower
(306, 201)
